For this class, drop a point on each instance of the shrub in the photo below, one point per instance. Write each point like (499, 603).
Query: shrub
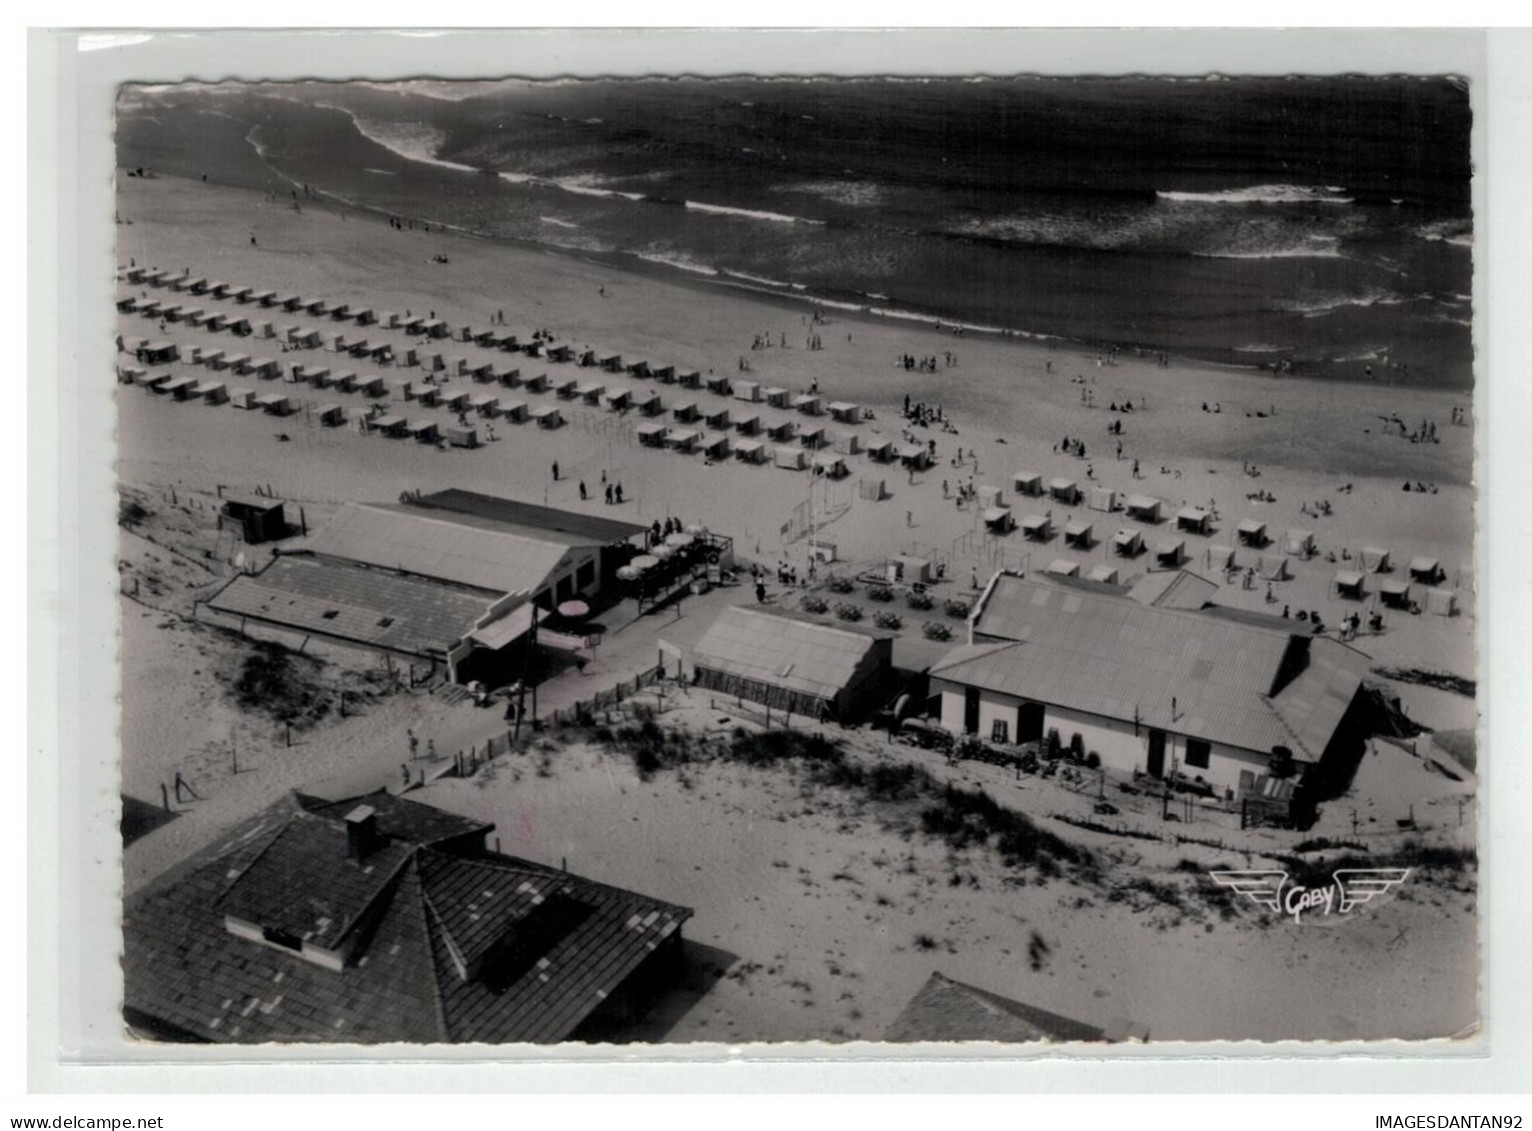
(955, 608)
(879, 593)
(848, 611)
(1076, 746)
(925, 942)
(936, 630)
(813, 604)
(885, 619)
(1053, 744)
(920, 601)
(1093, 761)
(838, 584)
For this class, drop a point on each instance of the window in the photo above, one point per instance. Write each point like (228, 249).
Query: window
(1198, 753)
(1000, 732)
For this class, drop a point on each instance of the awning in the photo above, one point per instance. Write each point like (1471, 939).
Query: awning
(1347, 579)
(503, 630)
(1194, 515)
(1142, 503)
(1077, 530)
(1394, 588)
(1066, 486)
(388, 422)
(997, 514)
(1171, 548)
(1250, 527)
(1034, 522)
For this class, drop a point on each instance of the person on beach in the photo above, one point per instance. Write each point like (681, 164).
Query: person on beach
(414, 742)
(583, 494)
(555, 471)
(608, 494)
(619, 492)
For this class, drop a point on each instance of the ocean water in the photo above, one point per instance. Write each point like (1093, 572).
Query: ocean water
(1322, 222)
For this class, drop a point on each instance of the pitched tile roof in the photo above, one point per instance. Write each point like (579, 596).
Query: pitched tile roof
(949, 1010)
(455, 944)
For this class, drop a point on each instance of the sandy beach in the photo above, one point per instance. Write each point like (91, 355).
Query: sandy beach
(836, 947)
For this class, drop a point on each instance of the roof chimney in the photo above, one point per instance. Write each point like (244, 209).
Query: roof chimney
(361, 832)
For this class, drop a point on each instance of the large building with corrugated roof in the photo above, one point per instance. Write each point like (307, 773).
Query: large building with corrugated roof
(1205, 693)
(793, 662)
(380, 919)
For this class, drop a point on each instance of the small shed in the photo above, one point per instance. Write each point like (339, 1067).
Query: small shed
(483, 404)
(127, 304)
(178, 387)
(240, 327)
(685, 412)
(808, 404)
(1348, 583)
(514, 411)
(372, 387)
(1374, 559)
(211, 392)
(257, 518)
(157, 353)
(1194, 520)
(152, 381)
(1127, 543)
(715, 446)
(1251, 532)
(1103, 573)
(611, 362)
(1394, 594)
(793, 459)
(717, 418)
(345, 382)
(196, 317)
(682, 439)
(567, 389)
(844, 411)
(750, 451)
(590, 392)
(364, 316)
(538, 384)
(720, 386)
(1427, 571)
(781, 431)
(1143, 508)
(1064, 490)
(689, 380)
(639, 369)
(241, 294)
(846, 443)
(1273, 568)
(1170, 553)
(423, 430)
(618, 399)
(1037, 527)
(1220, 559)
(812, 436)
(506, 378)
(909, 569)
(264, 298)
(1027, 483)
(914, 456)
(404, 390)
(830, 464)
(237, 362)
(775, 397)
(649, 404)
(1079, 534)
(748, 424)
(650, 435)
(341, 311)
(242, 398)
(998, 520)
(455, 401)
(389, 424)
(1063, 567)
(1299, 543)
(274, 403)
(482, 371)
(331, 415)
(213, 359)
(560, 352)
(1102, 499)
(460, 437)
(880, 451)
(428, 395)
(663, 373)
(1441, 602)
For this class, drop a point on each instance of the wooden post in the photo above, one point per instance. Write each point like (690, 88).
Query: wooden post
(164, 797)
(289, 727)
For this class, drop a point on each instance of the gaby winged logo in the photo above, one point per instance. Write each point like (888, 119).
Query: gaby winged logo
(1349, 889)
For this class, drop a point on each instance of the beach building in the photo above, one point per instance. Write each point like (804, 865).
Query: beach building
(720, 386)
(808, 404)
(1298, 543)
(211, 392)
(456, 401)
(846, 443)
(1143, 508)
(374, 918)
(775, 397)
(831, 465)
(1063, 567)
(649, 404)
(1427, 571)
(389, 424)
(946, 1010)
(691, 379)
(536, 384)
(618, 400)
(639, 369)
(880, 451)
(715, 446)
(916, 457)
(345, 382)
(242, 398)
(1079, 534)
(845, 412)
(1064, 490)
(1169, 553)
(1348, 583)
(178, 388)
(998, 520)
(1374, 559)
(748, 424)
(1127, 543)
(611, 362)
(590, 392)
(330, 415)
(1393, 593)
(750, 451)
(1037, 527)
(428, 396)
(514, 411)
(425, 431)
(1251, 532)
(127, 304)
(792, 459)
(685, 412)
(569, 388)
(663, 373)
(1194, 520)
(717, 418)
(650, 435)
(1102, 499)
(373, 386)
(341, 311)
(781, 431)
(812, 436)
(560, 352)
(1205, 694)
(682, 439)
(1441, 602)
(1219, 559)
(157, 353)
(793, 662)
(483, 405)
(258, 518)
(747, 391)
(459, 437)
(1105, 574)
(274, 403)
(547, 416)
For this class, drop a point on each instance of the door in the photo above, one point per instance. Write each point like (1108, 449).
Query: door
(971, 710)
(1156, 753)
(1029, 722)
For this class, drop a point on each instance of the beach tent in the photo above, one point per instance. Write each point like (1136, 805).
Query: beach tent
(1080, 534)
(415, 325)
(126, 304)
(1037, 527)
(639, 369)
(663, 373)
(1426, 570)
(991, 496)
(748, 424)
(775, 397)
(909, 569)
(240, 327)
(586, 359)
(149, 308)
(685, 412)
(813, 436)
(157, 278)
(844, 411)
(264, 298)
(1170, 553)
(1101, 499)
(537, 384)
(1193, 520)
(618, 399)
(489, 339)
(316, 306)
(1220, 559)
(650, 435)
(306, 337)
(914, 456)
(178, 387)
(846, 443)
(241, 294)
(721, 386)
(1394, 594)
(211, 392)
(341, 312)
(999, 520)
(465, 334)
(389, 320)
(274, 403)
(715, 446)
(1127, 543)
(808, 404)
(1063, 567)
(197, 286)
(130, 374)
(213, 359)
(873, 490)
(717, 418)
(436, 328)
(1251, 532)
(1441, 602)
(265, 330)
(747, 391)
(560, 352)
(483, 404)
(428, 395)
(1298, 542)
(290, 302)
(590, 392)
(404, 390)
(389, 425)
(345, 382)
(456, 401)
(509, 378)
(1348, 583)
(423, 430)
(460, 437)
(365, 317)
(682, 439)
(219, 289)
(153, 381)
(305, 374)
(455, 366)
(1374, 560)
(1064, 490)
(830, 464)
(568, 388)
(689, 380)
(514, 411)
(172, 312)
(782, 430)
(321, 379)
(242, 398)
(265, 368)
(157, 353)
(880, 451)
(482, 371)
(331, 415)
(1027, 483)
(372, 387)
(196, 317)
(649, 404)
(1103, 573)
(791, 458)
(1273, 568)
(750, 451)
(611, 362)
(1144, 508)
